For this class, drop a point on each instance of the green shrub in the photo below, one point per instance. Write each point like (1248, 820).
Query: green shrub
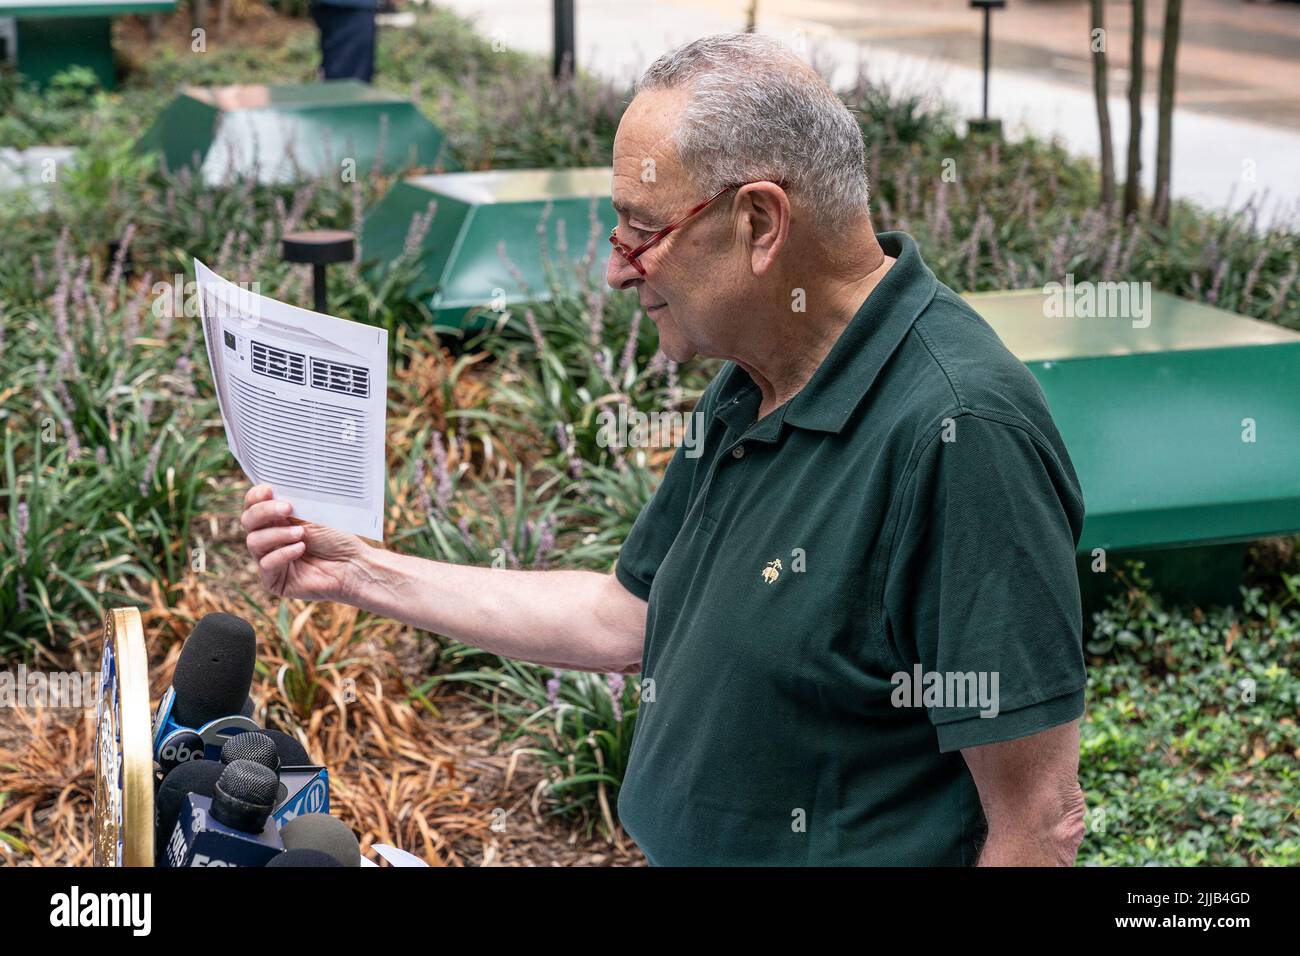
(578, 725)
(533, 123)
(61, 554)
(1190, 742)
(505, 524)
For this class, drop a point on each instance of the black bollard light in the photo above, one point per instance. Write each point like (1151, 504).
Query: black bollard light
(984, 124)
(319, 248)
(564, 55)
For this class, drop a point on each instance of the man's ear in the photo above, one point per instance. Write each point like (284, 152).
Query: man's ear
(765, 221)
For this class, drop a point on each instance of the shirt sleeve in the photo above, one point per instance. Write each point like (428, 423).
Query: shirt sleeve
(656, 527)
(982, 590)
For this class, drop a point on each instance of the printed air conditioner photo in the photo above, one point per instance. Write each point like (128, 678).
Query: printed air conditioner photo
(674, 436)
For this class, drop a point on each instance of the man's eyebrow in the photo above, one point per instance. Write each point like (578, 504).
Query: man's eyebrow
(632, 211)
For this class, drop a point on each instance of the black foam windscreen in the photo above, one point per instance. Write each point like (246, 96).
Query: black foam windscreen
(252, 745)
(244, 795)
(247, 709)
(292, 753)
(194, 776)
(303, 857)
(215, 670)
(320, 831)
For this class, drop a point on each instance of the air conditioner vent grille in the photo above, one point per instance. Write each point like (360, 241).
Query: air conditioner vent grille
(303, 443)
(339, 377)
(275, 362)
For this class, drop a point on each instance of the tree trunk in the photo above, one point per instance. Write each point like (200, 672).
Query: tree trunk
(1165, 129)
(1133, 175)
(751, 16)
(1101, 86)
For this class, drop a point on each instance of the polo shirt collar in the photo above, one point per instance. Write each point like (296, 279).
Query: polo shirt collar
(855, 360)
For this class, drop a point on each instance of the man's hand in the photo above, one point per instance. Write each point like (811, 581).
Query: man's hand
(301, 560)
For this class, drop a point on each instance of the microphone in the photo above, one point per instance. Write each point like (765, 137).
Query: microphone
(209, 692)
(260, 749)
(292, 753)
(304, 786)
(215, 670)
(196, 776)
(252, 745)
(320, 831)
(232, 827)
(303, 857)
(244, 796)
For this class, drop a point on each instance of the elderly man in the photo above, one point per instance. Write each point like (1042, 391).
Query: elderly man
(856, 612)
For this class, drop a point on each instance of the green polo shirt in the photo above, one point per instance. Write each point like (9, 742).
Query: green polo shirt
(911, 512)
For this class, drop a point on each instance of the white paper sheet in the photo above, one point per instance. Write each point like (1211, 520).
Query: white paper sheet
(303, 399)
(398, 857)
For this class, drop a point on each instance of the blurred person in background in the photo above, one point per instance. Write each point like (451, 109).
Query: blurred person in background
(347, 37)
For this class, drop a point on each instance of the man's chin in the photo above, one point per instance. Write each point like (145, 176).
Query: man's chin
(677, 352)
(673, 345)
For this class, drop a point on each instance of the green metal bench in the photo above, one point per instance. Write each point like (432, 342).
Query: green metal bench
(1185, 433)
(53, 35)
(483, 250)
(291, 132)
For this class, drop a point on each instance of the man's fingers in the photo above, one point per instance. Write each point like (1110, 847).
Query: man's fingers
(265, 514)
(257, 493)
(264, 540)
(277, 560)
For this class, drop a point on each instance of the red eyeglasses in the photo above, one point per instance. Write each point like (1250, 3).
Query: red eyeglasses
(633, 255)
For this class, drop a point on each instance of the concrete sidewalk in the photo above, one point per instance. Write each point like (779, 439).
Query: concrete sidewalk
(1217, 160)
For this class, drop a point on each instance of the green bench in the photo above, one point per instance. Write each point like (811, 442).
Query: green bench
(52, 35)
(483, 251)
(1183, 425)
(290, 132)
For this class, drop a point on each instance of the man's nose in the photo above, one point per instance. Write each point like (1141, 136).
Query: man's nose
(619, 273)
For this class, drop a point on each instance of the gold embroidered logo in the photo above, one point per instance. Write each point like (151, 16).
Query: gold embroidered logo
(772, 571)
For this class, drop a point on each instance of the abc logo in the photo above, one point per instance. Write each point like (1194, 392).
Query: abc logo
(181, 747)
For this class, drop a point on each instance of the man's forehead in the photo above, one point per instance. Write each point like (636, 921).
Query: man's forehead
(638, 193)
(651, 117)
(646, 168)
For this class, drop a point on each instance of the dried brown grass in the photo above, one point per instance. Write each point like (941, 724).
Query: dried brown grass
(420, 775)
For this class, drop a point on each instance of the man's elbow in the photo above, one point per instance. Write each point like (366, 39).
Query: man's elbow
(1068, 825)
(1043, 830)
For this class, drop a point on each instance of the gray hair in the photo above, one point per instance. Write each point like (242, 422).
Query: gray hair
(757, 111)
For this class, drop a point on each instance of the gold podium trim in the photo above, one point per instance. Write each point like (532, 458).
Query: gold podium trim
(124, 786)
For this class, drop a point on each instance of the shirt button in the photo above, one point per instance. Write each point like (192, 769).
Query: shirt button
(738, 451)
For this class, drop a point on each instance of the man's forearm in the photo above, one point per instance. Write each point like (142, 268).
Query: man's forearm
(572, 619)
(1029, 789)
